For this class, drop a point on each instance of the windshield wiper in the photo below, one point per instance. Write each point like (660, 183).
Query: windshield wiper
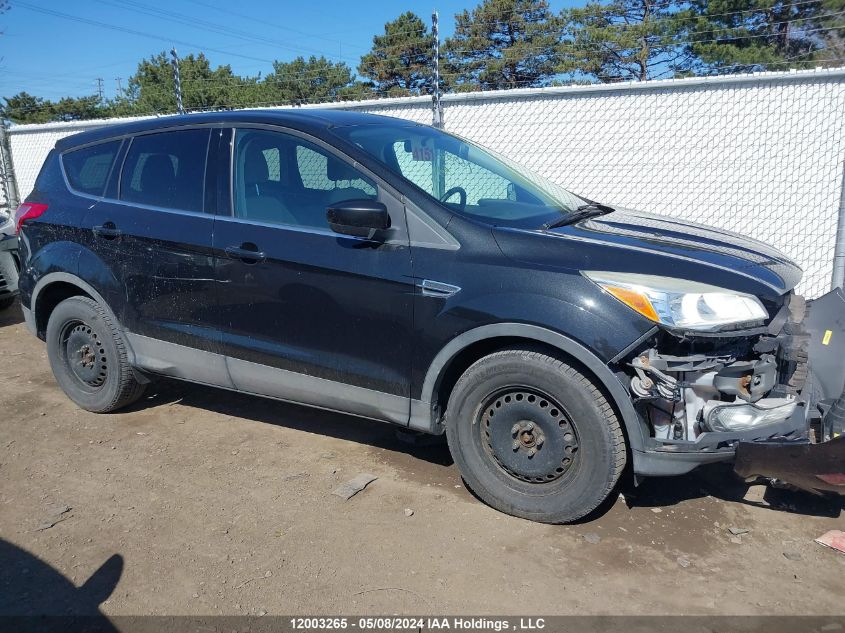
(588, 210)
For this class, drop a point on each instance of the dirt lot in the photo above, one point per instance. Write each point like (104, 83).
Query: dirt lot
(215, 503)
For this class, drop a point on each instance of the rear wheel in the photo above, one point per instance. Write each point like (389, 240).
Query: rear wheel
(88, 356)
(534, 437)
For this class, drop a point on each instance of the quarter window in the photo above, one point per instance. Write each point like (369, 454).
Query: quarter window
(282, 179)
(166, 170)
(88, 168)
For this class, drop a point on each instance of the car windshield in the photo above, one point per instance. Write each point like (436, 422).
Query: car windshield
(465, 177)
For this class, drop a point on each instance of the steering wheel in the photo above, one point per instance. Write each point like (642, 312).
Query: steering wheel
(452, 192)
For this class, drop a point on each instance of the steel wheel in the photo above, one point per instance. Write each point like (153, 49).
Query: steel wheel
(88, 356)
(84, 354)
(533, 436)
(529, 435)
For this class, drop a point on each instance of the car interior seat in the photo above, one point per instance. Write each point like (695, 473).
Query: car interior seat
(262, 200)
(338, 171)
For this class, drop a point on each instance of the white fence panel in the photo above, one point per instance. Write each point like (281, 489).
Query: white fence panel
(758, 154)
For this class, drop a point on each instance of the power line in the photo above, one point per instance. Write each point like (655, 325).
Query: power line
(277, 26)
(187, 20)
(122, 29)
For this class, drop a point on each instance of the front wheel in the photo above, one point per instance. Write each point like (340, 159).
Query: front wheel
(534, 437)
(88, 356)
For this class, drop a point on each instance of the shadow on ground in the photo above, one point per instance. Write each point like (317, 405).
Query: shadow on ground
(31, 589)
(719, 481)
(422, 446)
(715, 480)
(11, 315)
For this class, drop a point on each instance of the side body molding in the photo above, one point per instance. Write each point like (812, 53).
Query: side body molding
(422, 415)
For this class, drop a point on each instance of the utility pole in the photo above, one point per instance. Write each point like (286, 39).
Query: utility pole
(437, 110)
(100, 88)
(119, 85)
(8, 183)
(177, 82)
(839, 249)
(438, 166)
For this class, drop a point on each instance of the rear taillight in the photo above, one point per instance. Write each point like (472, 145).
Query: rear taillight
(28, 211)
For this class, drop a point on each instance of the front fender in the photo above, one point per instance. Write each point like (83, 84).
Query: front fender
(592, 318)
(421, 411)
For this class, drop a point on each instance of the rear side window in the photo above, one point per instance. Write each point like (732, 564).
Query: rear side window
(166, 170)
(88, 168)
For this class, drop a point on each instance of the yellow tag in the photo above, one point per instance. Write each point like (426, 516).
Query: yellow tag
(827, 335)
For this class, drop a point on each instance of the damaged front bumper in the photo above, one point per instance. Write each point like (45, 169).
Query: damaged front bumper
(816, 468)
(810, 343)
(812, 466)
(676, 457)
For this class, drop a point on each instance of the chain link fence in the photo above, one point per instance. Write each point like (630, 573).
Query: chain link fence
(759, 154)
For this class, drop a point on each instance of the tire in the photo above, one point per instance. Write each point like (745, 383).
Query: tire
(7, 302)
(88, 356)
(579, 449)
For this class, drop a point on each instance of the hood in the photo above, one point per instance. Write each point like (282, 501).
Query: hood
(654, 244)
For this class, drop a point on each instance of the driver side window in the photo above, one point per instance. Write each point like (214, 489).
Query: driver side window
(282, 179)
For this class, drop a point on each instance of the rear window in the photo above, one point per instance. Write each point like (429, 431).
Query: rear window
(166, 170)
(88, 168)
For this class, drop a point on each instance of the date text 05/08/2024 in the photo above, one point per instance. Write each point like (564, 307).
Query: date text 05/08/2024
(412, 623)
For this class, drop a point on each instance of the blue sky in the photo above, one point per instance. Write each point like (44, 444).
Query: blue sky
(52, 56)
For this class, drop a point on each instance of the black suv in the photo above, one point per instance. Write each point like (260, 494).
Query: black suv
(392, 271)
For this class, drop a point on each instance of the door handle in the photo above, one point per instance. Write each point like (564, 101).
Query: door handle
(247, 253)
(107, 231)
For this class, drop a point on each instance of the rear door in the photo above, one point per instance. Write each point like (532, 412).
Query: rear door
(158, 224)
(307, 314)
(87, 171)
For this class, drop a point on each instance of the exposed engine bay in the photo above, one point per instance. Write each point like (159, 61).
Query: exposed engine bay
(686, 384)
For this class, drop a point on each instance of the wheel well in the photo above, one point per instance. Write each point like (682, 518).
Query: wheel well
(51, 296)
(475, 351)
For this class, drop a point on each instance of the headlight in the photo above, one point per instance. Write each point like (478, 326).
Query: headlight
(726, 416)
(679, 303)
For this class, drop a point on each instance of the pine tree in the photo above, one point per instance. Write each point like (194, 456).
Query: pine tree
(503, 44)
(400, 60)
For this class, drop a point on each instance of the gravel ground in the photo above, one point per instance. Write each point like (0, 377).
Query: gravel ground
(198, 501)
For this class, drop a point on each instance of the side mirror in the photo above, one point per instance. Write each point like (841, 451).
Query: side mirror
(360, 218)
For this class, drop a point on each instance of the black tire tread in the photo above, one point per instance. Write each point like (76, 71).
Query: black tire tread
(617, 446)
(129, 388)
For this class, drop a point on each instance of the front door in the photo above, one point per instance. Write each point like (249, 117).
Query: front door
(306, 314)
